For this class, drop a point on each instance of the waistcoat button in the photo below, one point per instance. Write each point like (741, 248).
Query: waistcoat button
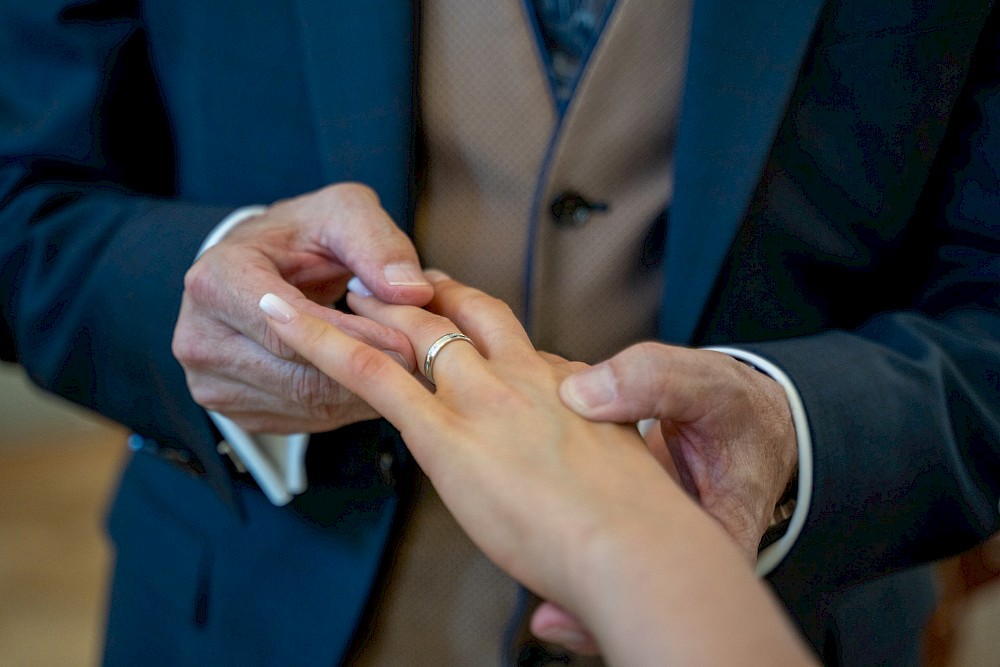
(386, 462)
(570, 209)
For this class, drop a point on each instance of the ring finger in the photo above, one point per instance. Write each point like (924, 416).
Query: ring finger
(425, 331)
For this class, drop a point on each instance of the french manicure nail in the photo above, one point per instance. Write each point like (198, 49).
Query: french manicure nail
(592, 388)
(404, 274)
(277, 308)
(355, 286)
(646, 425)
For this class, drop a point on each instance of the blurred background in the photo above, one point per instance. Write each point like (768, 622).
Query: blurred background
(59, 464)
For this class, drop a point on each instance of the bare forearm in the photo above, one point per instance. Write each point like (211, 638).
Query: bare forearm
(681, 595)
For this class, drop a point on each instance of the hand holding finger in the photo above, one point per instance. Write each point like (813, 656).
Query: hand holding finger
(478, 456)
(516, 467)
(346, 223)
(455, 307)
(727, 427)
(366, 371)
(303, 249)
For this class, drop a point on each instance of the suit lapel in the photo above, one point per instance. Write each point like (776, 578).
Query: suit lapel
(743, 61)
(359, 58)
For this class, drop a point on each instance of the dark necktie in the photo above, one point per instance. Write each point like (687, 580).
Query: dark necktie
(569, 28)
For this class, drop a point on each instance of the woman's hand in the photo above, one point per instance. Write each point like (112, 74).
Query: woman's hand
(579, 512)
(513, 463)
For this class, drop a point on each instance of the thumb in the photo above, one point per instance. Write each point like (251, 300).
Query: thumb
(364, 237)
(648, 380)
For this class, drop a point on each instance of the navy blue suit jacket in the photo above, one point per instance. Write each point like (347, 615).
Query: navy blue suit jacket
(835, 211)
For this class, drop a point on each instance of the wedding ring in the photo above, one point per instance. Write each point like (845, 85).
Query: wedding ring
(435, 349)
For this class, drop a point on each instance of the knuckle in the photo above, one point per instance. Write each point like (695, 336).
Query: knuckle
(366, 362)
(507, 399)
(200, 282)
(210, 397)
(304, 386)
(180, 346)
(645, 362)
(350, 199)
(191, 350)
(480, 301)
(353, 190)
(314, 391)
(430, 328)
(646, 351)
(273, 344)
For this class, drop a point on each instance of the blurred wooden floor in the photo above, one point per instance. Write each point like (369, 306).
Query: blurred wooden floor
(57, 468)
(59, 465)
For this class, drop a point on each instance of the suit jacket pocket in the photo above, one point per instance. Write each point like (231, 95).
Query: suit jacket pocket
(167, 561)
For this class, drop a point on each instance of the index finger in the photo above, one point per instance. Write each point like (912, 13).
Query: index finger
(369, 373)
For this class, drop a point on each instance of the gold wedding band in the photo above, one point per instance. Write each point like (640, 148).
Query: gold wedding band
(435, 349)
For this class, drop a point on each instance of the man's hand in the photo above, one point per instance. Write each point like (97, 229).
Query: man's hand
(726, 427)
(635, 559)
(303, 249)
(725, 431)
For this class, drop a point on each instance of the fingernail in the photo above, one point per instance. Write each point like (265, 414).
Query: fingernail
(404, 274)
(592, 388)
(277, 308)
(436, 275)
(566, 637)
(355, 286)
(646, 425)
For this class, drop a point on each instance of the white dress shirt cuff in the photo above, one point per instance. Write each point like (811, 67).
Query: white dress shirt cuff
(227, 224)
(771, 556)
(276, 462)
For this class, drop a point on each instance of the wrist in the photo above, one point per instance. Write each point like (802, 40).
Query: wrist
(769, 558)
(611, 561)
(665, 596)
(228, 224)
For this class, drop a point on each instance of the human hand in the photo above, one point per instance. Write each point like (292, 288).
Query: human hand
(493, 437)
(555, 625)
(725, 428)
(725, 433)
(304, 249)
(578, 511)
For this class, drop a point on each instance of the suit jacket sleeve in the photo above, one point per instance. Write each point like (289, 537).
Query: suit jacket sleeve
(92, 247)
(904, 411)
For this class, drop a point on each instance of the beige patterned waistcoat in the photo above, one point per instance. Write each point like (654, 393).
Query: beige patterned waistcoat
(498, 154)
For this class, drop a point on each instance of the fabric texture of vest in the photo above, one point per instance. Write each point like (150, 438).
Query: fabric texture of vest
(499, 151)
